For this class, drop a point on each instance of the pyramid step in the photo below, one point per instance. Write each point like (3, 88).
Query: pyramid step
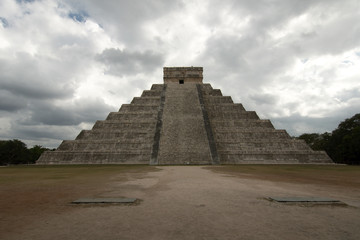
(157, 87)
(113, 134)
(151, 93)
(206, 86)
(72, 157)
(218, 99)
(276, 134)
(242, 123)
(116, 146)
(122, 124)
(138, 108)
(233, 115)
(272, 157)
(127, 121)
(273, 152)
(250, 130)
(263, 145)
(263, 140)
(215, 92)
(208, 91)
(146, 100)
(112, 141)
(134, 116)
(228, 107)
(243, 129)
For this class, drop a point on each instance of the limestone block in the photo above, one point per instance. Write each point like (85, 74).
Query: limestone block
(213, 100)
(104, 145)
(59, 157)
(157, 87)
(111, 124)
(217, 124)
(227, 107)
(231, 115)
(139, 108)
(146, 100)
(151, 93)
(216, 92)
(131, 116)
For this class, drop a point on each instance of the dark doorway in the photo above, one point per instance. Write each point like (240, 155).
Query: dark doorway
(181, 81)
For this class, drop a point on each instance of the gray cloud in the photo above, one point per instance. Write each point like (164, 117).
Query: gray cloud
(45, 135)
(127, 63)
(44, 123)
(25, 1)
(244, 60)
(252, 53)
(346, 95)
(333, 37)
(35, 77)
(297, 124)
(264, 99)
(124, 19)
(82, 110)
(10, 102)
(43, 132)
(4, 22)
(262, 14)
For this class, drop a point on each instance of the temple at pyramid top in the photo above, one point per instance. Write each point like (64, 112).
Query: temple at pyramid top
(183, 121)
(183, 75)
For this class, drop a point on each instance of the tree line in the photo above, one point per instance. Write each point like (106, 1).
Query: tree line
(342, 145)
(16, 152)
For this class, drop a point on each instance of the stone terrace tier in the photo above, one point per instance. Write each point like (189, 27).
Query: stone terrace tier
(241, 137)
(125, 137)
(183, 122)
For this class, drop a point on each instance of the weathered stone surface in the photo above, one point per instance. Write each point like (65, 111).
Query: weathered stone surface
(104, 200)
(241, 137)
(125, 137)
(304, 199)
(183, 122)
(183, 137)
(184, 74)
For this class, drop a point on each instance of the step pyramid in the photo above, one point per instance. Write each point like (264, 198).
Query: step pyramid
(183, 121)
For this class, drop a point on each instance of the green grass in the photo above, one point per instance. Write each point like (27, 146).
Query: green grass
(37, 173)
(65, 174)
(344, 175)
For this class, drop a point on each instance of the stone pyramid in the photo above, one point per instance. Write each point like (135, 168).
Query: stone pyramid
(183, 121)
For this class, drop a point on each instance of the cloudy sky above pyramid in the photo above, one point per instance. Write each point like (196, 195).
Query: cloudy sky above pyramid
(66, 63)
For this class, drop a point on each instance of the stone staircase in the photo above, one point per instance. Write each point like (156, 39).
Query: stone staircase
(183, 136)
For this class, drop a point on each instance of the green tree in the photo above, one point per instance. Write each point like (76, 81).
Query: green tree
(35, 153)
(13, 152)
(344, 144)
(315, 140)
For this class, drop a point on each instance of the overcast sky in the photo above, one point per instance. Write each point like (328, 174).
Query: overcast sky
(66, 63)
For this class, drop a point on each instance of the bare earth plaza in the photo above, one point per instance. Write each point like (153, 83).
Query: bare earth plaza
(179, 202)
(181, 162)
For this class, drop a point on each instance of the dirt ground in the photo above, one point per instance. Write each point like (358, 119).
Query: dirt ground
(179, 202)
